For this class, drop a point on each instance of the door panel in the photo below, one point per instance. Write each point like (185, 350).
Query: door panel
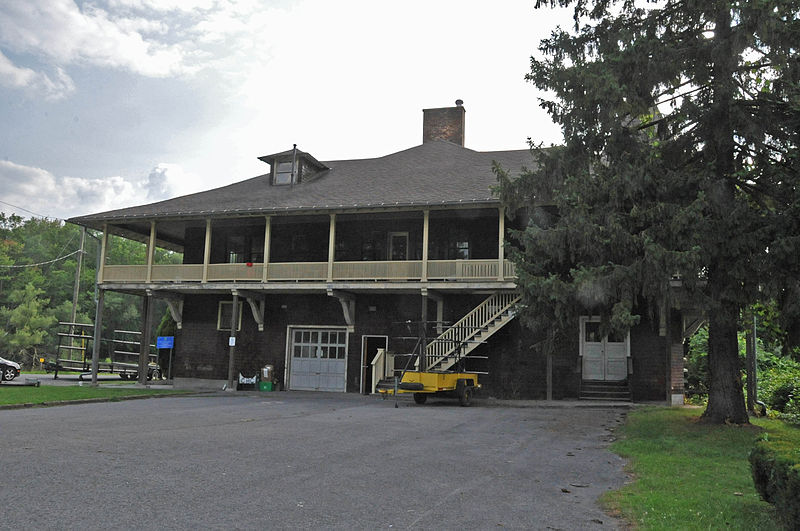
(616, 355)
(604, 357)
(398, 246)
(318, 360)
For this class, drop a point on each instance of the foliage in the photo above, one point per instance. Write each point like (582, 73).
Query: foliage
(688, 474)
(680, 122)
(778, 376)
(696, 363)
(775, 466)
(27, 325)
(34, 299)
(54, 395)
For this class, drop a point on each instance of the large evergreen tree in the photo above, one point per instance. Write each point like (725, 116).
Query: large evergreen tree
(681, 121)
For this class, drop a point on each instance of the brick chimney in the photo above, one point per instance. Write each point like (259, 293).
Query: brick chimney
(446, 123)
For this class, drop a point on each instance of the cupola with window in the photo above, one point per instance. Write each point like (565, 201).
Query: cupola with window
(292, 167)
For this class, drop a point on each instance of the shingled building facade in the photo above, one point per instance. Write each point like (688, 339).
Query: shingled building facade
(314, 266)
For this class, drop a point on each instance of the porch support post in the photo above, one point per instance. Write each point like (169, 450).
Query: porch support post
(232, 340)
(103, 249)
(501, 235)
(423, 343)
(144, 344)
(331, 246)
(207, 250)
(439, 309)
(151, 249)
(98, 327)
(426, 215)
(267, 238)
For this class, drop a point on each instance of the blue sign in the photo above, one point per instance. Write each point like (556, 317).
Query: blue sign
(165, 341)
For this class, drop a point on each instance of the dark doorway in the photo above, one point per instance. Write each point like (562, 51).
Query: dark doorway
(369, 348)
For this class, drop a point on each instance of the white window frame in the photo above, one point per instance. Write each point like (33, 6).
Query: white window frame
(226, 327)
(582, 335)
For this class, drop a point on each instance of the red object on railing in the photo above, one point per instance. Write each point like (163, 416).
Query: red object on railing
(249, 264)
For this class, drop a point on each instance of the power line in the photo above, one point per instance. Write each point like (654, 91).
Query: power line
(30, 211)
(42, 263)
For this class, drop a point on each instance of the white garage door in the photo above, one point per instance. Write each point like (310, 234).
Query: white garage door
(319, 360)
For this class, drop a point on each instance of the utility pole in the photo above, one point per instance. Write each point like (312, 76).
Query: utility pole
(76, 288)
(77, 285)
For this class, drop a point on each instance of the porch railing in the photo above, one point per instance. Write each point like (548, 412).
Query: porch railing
(410, 270)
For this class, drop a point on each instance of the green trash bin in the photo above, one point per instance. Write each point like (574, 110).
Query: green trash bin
(265, 386)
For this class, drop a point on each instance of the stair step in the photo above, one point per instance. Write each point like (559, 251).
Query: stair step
(605, 398)
(605, 390)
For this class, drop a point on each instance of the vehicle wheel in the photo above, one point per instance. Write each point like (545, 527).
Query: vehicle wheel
(465, 396)
(9, 373)
(123, 376)
(156, 374)
(420, 398)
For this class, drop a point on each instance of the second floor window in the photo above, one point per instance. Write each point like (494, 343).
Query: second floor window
(283, 173)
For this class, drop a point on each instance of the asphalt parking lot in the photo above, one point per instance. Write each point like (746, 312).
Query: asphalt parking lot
(306, 461)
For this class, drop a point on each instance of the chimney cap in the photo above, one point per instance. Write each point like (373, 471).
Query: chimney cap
(459, 102)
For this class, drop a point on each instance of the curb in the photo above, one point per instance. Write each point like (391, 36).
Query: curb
(28, 405)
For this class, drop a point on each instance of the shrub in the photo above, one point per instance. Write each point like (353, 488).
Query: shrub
(775, 466)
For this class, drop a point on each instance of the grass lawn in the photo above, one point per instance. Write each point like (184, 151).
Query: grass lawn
(47, 393)
(689, 475)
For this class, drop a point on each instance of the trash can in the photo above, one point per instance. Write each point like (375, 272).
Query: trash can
(267, 372)
(265, 386)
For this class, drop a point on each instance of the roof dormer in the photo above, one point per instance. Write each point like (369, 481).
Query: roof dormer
(292, 167)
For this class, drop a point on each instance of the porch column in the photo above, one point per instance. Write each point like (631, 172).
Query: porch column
(103, 247)
(232, 340)
(331, 247)
(207, 250)
(98, 327)
(267, 238)
(144, 345)
(501, 234)
(151, 250)
(423, 344)
(426, 215)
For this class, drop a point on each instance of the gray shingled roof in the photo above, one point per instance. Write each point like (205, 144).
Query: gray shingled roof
(434, 173)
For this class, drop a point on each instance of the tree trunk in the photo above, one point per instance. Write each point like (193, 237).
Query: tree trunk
(725, 396)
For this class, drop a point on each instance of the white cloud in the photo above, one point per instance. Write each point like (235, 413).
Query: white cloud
(13, 76)
(38, 190)
(61, 33)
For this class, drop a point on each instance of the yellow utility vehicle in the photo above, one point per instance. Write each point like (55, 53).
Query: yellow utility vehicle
(461, 385)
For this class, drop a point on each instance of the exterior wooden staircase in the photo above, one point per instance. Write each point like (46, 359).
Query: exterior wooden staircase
(458, 341)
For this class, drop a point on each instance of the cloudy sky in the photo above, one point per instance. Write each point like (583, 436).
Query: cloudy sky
(111, 103)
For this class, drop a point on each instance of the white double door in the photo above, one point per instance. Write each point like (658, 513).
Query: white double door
(605, 357)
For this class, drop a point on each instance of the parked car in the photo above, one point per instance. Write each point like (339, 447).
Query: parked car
(8, 369)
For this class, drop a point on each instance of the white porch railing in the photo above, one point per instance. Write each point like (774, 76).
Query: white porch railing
(176, 273)
(125, 273)
(297, 271)
(235, 272)
(397, 270)
(410, 270)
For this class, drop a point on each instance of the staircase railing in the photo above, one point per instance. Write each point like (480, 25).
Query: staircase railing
(457, 338)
